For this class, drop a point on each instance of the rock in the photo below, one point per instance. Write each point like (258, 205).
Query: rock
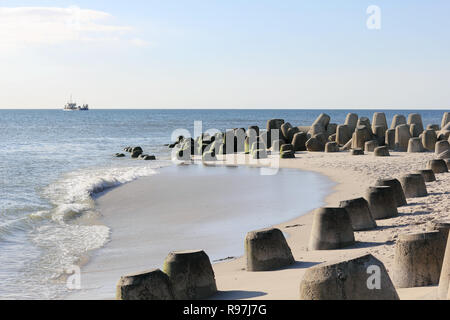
(343, 134)
(357, 152)
(415, 145)
(299, 141)
(331, 229)
(136, 154)
(402, 136)
(149, 158)
(119, 155)
(287, 154)
(438, 166)
(429, 139)
(351, 122)
(361, 135)
(397, 121)
(444, 281)
(267, 250)
(259, 154)
(150, 285)
(371, 145)
(137, 150)
(428, 175)
(331, 147)
(418, 259)
(397, 189)
(441, 146)
(381, 152)
(414, 186)
(445, 119)
(191, 275)
(379, 119)
(390, 139)
(416, 119)
(359, 212)
(315, 145)
(414, 130)
(382, 202)
(347, 279)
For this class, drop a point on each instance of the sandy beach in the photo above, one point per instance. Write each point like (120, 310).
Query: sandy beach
(352, 176)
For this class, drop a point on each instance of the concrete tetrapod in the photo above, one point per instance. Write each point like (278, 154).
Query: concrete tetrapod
(191, 275)
(428, 175)
(361, 277)
(331, 229)
(414, 185)
(359, 212)
(438, 166)
(418, 259)
(150, 285)
(381, 152)
(399, 195)
(266, 250)
(382, 202)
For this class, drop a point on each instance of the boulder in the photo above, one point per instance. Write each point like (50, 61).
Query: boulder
(398, 120)
(379, 119)
(332, 147)
(351, 121)
(267, 250)
(442, 146)
(429, 139)
(315, 145)
(359, 212)
(299, 141)
(191, 275)
(381, 152)
(428, 175)
(149, 285)
(371, 145)
(119, 155)
(416, 119)
(348, 279)
(361, 135)
(444, 281)
(418, 259)
(382, 202)
(415, 145)
(414, 186)
(438, 166)
(357, 152)
(343, 134)
(397, 189)
(149, 158)
(331, 229)
(390, 139)
(402, 136)
(136, 154)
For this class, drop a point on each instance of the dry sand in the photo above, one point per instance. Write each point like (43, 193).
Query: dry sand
(353, 174)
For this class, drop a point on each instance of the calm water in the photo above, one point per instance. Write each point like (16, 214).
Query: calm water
(52, 162)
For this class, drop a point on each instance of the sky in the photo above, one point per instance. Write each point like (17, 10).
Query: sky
(225, 54)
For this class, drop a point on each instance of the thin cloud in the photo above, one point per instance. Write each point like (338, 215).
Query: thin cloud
(23, 26)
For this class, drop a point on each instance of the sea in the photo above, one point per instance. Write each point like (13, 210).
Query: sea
(54, 163)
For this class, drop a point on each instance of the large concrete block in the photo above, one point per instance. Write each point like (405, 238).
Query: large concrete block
(414, 185)
(357, 152)
(418, 259)
(351, 121)
(267, 250)
(445, 119)
(390, 139)
(398, 120)
(315, 145)
(371, 145)
(382, 202)
(438, 166)
(359, 212)
(381, 152)
(299, 141)
(343, 134)
(415, 145)
(348, 279)
(331, 147)
(441, 146)
(428, 175)
(444, 281)
(149, 285)
(415, 130)
(399, 195)
(429, 139)
(331, 229)
(191, 275)
(361, 135)
(416, 119)
(379, 119)
(379, 134)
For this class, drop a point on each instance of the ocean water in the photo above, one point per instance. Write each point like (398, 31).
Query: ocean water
(53, 162)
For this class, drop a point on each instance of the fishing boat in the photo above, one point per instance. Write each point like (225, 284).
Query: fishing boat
(72, 106)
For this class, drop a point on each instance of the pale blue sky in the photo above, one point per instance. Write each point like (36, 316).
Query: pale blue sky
(224, 54)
